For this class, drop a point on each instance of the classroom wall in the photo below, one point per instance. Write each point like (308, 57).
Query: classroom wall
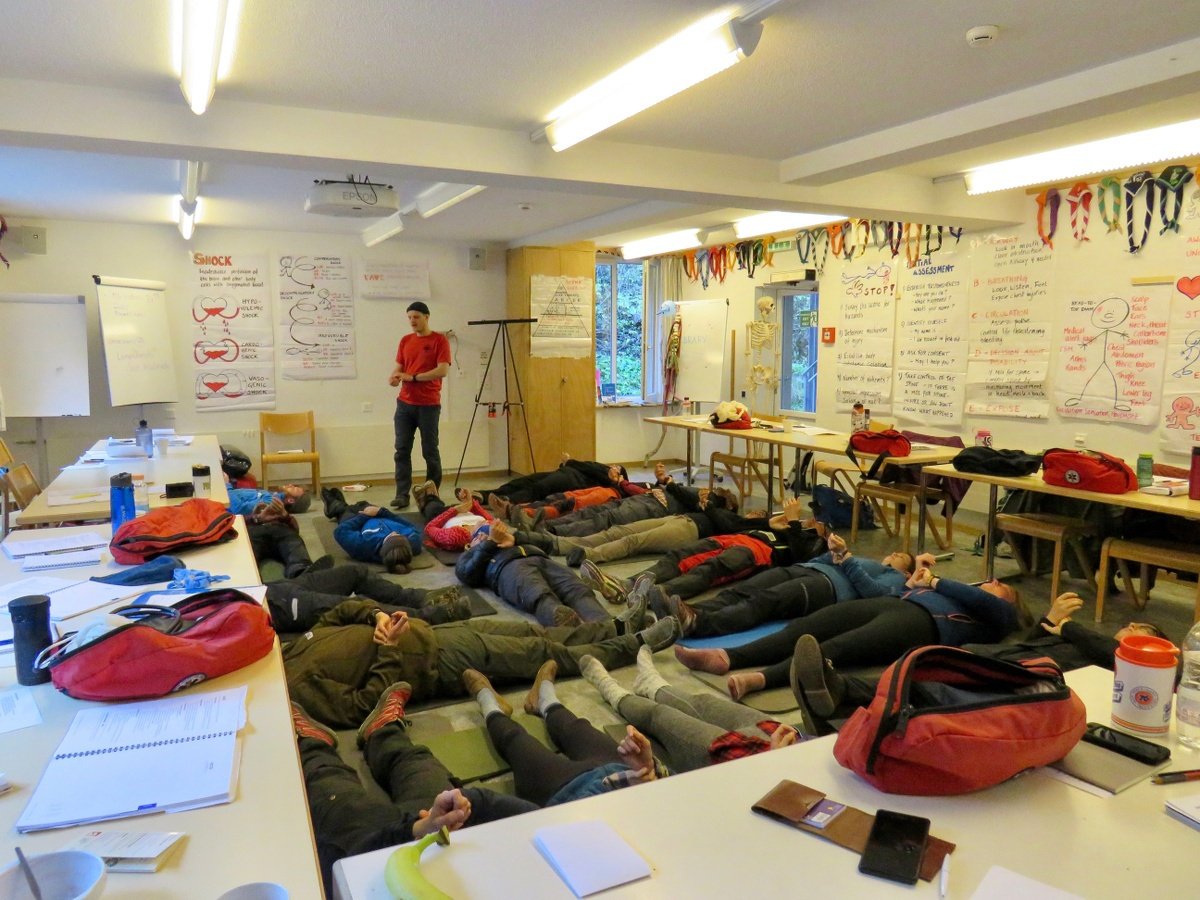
(354, 444)
(1081, 272)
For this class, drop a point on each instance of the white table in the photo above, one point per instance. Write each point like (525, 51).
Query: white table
(84, 480)
(702, 840)
(263, 835)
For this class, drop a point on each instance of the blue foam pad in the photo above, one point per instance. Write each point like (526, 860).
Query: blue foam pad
(725, 641)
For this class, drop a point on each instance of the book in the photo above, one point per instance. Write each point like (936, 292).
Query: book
(44, 561)
(136, 759)
(67, 598)
(589, 856)
(1167, 487)
(16, 548)
(1185, 809)
(129, 851)
(1106, 771)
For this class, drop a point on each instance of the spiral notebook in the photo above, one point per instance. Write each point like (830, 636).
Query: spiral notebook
(135, 759)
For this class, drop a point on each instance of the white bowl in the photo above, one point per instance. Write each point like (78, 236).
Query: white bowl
(64, 875)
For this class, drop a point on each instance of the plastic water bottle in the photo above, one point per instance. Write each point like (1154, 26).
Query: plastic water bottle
(144, 436)
(120, 500)
(1187, 696)
(1145, 469)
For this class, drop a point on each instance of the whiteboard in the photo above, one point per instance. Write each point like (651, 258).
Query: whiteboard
(137, 341)
(44, 355)
(702, 348)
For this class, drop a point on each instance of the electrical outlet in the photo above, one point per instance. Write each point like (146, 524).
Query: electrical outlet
(368, 407)
(1080, 439)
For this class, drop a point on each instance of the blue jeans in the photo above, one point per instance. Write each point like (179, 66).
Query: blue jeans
(408, 421)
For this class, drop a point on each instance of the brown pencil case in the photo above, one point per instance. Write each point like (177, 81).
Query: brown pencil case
(789, 802)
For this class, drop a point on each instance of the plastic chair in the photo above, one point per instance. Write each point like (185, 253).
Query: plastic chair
(743, 469)
(1150, 555)
(289, 425)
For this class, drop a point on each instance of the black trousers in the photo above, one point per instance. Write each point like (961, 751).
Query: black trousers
(297, 603)
(728, 564)
(274, 540)
(776, 593)
(594, 519)
(539, 772)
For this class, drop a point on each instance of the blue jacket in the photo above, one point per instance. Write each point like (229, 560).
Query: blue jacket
(362, 536)
(965, 614)
(243, 500)
(857, 577)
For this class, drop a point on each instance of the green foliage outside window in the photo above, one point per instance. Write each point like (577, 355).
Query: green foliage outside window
(619, 326)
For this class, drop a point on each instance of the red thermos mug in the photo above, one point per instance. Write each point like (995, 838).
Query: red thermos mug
(1194, 480)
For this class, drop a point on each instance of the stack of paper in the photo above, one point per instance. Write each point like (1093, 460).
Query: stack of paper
(1185, 809)
(18, 547)
(1169, 487)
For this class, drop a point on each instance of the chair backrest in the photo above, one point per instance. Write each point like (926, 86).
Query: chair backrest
(22, 484)
(6, 457)
(286, 424)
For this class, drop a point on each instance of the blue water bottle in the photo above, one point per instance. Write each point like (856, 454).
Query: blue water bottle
(120, 500)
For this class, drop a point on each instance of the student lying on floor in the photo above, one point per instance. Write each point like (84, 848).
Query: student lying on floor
(590, 762)
(697, 729)
(338, 669)
(873, 630)
(571, 474)
(272, 527)
(448, 527)
(372, 533)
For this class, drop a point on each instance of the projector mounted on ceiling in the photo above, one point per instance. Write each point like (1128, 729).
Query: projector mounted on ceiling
(358, 199)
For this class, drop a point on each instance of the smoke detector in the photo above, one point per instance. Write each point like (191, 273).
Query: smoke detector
(981, 35)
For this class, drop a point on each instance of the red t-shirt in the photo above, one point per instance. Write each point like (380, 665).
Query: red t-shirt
(417, 354)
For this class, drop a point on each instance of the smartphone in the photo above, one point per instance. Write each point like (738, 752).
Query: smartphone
(1126, 744)
(895, 847)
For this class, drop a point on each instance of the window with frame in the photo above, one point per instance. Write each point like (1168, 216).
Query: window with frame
(620, 330)
(798, 317)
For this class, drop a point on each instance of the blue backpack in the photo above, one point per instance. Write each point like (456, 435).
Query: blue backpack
(836, 508)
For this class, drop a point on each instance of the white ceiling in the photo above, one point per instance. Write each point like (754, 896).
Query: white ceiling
(847, 107)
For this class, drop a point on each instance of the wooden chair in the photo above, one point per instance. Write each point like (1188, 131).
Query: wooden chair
(22, 486)
(6, 458)
(842, 475)
(1150, 555)
(1060, 530)
(289, 425)
(743, 469)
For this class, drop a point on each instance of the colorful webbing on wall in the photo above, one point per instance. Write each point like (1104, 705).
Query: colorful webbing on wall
(1079, 199)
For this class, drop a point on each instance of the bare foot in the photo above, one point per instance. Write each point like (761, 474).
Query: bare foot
(744, 683)
(715, 662)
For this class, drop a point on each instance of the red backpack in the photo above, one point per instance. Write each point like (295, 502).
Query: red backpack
(167, 529)
(1088, 470)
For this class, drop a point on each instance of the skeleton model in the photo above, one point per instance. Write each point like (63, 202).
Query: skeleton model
(760, 348)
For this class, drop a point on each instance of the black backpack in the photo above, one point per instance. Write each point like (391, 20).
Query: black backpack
(234, 462)
(987, 461)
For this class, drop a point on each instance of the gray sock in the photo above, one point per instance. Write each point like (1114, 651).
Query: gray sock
(647, 681)
(597, 676)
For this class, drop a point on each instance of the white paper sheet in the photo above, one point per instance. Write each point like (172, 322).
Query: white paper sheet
(590, 856)
(18, 709)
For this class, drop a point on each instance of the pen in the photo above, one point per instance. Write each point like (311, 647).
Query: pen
(1176, 777)
(944, 880)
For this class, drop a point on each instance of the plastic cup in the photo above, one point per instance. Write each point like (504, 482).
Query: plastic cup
(64, 875)
(1143, 682)
(258, 890)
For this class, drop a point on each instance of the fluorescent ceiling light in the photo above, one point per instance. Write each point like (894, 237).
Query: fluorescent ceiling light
(661, 243)
(207, 32)
(775, 222)
(1111, 154)
(185, 216)
(378, 232)
(443, 195)
(710, 46)
(189, 180)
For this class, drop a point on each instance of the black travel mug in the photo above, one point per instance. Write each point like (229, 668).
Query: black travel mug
(31, 635)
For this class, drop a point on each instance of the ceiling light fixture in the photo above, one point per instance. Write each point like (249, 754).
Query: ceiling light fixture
(206, 35)
(671, 242)
(443, 195)
(378, 232)
(1125, 151)
(776, 222)
(186, 217)
(189, 180)
(698, 52)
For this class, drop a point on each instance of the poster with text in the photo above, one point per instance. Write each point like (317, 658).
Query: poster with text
(233, 354)
(393, 281)
(564, 308)
(1008, 332)
(315, 317)
(1111, 356)
(931, 339)
(1179, 414)
(867, 294)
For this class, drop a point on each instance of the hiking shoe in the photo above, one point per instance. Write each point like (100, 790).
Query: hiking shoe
(457, 608)
(400, 501)
(814, 681)
(439, 596)
(633, 619)
(548, 672)
(322, 563)
(565, 617)
(422, 492)
(611, 589)
(661, 635)
(475, 681)
(334, 502)
(306, 726)
(576, 556)
(389, 709)
(683, 611)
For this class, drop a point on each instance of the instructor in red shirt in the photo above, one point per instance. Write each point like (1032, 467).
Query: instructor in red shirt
(422, 361)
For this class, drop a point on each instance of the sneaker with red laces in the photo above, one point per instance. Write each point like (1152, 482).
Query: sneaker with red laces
(389, 709)
(306, 726)
(611, 589)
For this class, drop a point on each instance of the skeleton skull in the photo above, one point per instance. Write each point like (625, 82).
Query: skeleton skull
(766, 307)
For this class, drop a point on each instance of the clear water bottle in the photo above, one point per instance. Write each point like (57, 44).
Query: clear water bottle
(1145, 469)
(1187, 697)
(144, 436)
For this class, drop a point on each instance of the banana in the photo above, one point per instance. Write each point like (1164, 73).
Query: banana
(402, 872)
